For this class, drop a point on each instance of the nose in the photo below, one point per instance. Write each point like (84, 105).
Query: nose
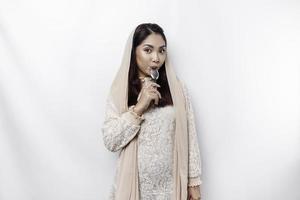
(155, 58)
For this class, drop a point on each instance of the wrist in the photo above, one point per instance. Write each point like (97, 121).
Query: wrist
(137, 114)
(138, 110)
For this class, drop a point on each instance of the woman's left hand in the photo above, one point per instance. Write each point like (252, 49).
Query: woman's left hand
(194, 193)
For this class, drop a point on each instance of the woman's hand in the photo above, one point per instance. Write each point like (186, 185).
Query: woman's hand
(194, 193)
(147, 94)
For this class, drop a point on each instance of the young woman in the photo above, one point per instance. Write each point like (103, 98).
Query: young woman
(149, 118)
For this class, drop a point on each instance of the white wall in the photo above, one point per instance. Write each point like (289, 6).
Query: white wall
(240, 60)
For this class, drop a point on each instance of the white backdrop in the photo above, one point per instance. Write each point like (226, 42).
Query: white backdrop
(239, 59)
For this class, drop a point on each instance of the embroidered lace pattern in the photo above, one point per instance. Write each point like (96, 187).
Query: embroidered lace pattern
(155, 147)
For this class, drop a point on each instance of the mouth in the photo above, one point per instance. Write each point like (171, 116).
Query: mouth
(153, 68)
(154, 73)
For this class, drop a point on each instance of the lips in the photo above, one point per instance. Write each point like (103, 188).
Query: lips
(152, 68)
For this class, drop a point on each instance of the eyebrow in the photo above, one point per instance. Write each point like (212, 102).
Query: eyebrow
(152, 46)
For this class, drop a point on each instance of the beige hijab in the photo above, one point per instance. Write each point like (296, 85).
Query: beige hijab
(127, 187)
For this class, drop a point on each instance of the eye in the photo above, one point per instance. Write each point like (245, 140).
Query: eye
(147, 50)
(162, 50)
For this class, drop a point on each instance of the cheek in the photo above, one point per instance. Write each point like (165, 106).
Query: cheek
(163, 58)
(144, 57)
(142, 60)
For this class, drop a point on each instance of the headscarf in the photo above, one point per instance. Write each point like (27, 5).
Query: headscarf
(127, 183)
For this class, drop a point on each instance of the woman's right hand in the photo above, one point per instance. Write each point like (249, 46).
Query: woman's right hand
(147, 94)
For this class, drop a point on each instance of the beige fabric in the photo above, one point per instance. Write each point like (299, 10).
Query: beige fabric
(127, 179)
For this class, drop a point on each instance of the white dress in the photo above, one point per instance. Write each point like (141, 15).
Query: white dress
(155, 147)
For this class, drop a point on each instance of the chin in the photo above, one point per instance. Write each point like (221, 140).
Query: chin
(147, 72)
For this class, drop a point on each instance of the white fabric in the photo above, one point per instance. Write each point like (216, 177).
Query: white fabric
(127, 177)
(155, 147)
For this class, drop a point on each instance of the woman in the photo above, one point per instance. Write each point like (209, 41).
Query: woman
(151, 123)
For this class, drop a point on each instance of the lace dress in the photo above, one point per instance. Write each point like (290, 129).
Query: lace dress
(155, 147)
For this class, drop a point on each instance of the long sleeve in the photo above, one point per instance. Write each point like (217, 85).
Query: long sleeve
(194, 152)
(118, 129)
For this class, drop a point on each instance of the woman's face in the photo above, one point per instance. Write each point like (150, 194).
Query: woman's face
(151, 53)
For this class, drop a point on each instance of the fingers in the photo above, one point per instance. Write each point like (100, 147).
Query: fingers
(150, 89)
(191, 198)
(154, 96)
(155, 84)
(150, 84)
(157, 92)
(194, 194)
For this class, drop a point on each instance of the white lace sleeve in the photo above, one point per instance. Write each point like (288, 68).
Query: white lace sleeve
(194, 152)
(118, 129)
